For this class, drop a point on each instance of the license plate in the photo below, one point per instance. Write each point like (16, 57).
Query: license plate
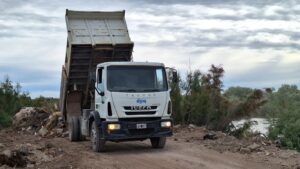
(141, 126)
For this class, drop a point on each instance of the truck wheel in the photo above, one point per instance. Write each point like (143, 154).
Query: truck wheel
(97, 142)
(158, 142)
(74, 129)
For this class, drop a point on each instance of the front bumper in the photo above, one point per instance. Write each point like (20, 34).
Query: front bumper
(129, 131)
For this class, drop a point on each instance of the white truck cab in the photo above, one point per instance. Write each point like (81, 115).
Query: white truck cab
(132, 90)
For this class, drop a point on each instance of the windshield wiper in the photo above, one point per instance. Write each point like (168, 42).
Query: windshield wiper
(126, 90)
(151, 90)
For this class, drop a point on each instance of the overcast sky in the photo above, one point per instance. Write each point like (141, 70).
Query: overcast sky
(257, 43)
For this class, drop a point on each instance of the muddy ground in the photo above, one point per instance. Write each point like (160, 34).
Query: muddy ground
(186, 149)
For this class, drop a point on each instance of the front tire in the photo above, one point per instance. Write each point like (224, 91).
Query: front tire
(97, 142)
(158, 142)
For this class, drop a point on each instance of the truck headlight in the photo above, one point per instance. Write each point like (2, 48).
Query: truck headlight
(113, 126)
(166, 124)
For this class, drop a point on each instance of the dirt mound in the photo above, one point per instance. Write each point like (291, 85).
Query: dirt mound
(30, 117)
(39, 122)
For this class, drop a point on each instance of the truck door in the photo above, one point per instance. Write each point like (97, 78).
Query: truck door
(99, 99)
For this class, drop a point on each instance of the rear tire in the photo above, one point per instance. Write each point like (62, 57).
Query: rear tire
(74, 129)
(98, 143)
(158, 142)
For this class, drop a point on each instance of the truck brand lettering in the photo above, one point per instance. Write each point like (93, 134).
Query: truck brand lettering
(140, 108)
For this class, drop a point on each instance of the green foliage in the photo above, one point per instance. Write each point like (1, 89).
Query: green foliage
(176, 101)
(10, 97)
(283, 109)
(196, 100)
(11, 100)
(203, 102)
(238, 93)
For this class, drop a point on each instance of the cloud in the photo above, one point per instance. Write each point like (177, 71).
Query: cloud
(246, 37)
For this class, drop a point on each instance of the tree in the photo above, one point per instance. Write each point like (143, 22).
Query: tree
(176, 99)
(283, 109)
(238, 93)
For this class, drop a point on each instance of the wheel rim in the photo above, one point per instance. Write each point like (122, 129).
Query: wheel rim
(93, 136)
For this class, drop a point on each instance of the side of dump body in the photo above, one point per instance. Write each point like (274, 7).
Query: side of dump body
(93, 38)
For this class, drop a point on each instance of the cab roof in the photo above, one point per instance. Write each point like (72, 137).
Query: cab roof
(130, 64)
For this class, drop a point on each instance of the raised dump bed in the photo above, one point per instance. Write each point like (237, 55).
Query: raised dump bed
(93, 38)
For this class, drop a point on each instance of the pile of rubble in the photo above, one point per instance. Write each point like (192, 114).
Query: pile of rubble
(223, 142)
(39, 122)
(28, 155)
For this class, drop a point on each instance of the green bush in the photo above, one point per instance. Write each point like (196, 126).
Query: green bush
(283, 109)
(203, 101)
(12, 99)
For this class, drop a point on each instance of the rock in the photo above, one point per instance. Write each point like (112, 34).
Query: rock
(192, 126)
(277, 143)
(61, 122)
(43, 132)
(48, 145)
(245, 150)
(24, 150)
(254, 147)
(7, 153)
(65, 134)
(59, 131)
(41, 156)
(1, 146)
(12, 158)
(29, 128)
(30, 166)
(210, 136)
(4, 166)
(177, 126)
(286, 154)
(53, 120)
(29, 116)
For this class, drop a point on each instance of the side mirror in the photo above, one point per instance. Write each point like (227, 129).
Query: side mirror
(100, 89)
(174, 76)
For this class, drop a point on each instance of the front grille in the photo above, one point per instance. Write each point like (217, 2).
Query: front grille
(140, 112)
(146, 119)
(136, 132)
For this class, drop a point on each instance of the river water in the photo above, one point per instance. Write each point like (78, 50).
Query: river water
(261, 125)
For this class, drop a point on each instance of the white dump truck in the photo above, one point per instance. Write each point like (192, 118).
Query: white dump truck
(104, 95)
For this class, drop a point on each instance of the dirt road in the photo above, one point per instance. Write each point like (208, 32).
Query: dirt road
(176, 155)
(179, 153)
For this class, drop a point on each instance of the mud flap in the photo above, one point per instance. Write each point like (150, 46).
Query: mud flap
(73, 104)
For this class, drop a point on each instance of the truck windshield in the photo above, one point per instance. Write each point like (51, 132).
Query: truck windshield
(136, 78)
